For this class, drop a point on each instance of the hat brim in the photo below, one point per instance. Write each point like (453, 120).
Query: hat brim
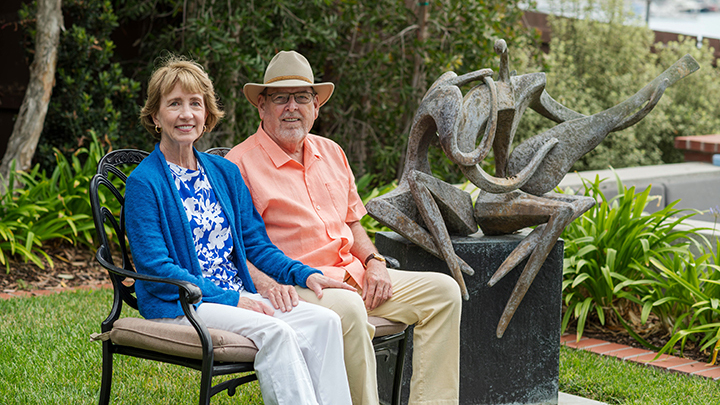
(323, 90)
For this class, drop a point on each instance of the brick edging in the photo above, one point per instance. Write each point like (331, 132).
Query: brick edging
(642, 356)
(37, 293)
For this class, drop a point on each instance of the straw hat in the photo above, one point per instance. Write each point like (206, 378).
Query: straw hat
(288, 69)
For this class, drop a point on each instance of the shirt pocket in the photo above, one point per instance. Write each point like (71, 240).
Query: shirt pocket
(339, 196)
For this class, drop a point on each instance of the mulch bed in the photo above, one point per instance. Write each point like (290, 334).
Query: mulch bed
(72, 267)
(656, 338)
(75, 266)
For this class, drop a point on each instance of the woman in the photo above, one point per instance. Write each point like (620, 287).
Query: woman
(190, 216)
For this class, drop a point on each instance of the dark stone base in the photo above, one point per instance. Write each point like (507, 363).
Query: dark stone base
(523, 366)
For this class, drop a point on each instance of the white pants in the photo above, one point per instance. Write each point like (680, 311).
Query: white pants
(300, 353)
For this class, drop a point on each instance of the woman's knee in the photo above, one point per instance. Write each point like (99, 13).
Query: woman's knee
(325, 316)
(277, 330)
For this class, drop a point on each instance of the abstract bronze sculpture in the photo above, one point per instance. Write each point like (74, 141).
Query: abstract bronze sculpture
(426, 210)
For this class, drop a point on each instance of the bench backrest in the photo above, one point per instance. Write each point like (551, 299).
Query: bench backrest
(108, 212)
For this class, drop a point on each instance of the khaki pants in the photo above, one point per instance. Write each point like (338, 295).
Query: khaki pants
(431, 301)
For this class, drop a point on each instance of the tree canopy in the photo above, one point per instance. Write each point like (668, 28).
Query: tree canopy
(381, 54)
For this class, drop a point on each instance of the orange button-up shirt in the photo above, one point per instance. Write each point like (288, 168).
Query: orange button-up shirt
(306, 208)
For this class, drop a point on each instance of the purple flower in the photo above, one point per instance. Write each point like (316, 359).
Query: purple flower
(715, 211)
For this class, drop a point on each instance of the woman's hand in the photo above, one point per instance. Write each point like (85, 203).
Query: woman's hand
(281, 296)
(317, 282)
(257, 306)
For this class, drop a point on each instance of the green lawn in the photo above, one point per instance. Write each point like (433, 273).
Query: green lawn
(613, 381)
(46, 357)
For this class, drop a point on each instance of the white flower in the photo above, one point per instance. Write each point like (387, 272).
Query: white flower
(218, 236)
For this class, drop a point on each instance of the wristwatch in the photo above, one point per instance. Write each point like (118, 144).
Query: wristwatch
(375, 256)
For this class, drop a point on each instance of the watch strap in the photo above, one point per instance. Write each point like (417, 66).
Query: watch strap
(373, 256)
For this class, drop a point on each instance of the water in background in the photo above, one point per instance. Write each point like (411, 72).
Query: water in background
(705, 25)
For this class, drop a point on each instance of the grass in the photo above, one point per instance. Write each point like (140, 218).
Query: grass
(613, 381)
(46, 357)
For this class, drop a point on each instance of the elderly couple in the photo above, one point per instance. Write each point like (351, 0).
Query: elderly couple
(271, 234)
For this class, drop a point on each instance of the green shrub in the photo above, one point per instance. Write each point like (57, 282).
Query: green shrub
(28, 219)
(684, 293)
(371, 50)
(607, 251)
(48, 208)
(599, 58)
(366, 194)
(16, 235)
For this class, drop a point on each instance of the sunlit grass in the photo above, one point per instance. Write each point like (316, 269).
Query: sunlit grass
(46, 357)
(613, 381)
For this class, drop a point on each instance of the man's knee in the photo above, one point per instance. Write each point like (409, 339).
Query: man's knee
(451, 289)
(446, 289)
(352, 312)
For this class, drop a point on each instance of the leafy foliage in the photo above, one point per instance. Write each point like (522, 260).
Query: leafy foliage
(376, 53)
(48, 208)
(605, 247)
(624, 266)
(599, 58)
(391, 61)
(91, 92)
(684, 292)
(371, 225)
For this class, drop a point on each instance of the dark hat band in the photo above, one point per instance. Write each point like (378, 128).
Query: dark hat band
(277, 79)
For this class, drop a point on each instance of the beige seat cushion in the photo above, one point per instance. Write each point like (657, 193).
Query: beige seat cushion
(384, 327)
(181, 340)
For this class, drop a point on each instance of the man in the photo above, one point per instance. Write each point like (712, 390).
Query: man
(303, 187)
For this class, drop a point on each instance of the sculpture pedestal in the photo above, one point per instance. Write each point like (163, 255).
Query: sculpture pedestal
(523, 366)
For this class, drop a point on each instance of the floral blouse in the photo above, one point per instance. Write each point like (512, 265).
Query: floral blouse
(209, 226)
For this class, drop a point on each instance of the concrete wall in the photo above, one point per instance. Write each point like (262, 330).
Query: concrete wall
(695, 184)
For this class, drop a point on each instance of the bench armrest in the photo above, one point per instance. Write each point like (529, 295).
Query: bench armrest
(187, 289)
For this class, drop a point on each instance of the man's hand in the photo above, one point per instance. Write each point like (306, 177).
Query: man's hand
(282, 297)
(377, 287)
(256, 306)
(318, 282)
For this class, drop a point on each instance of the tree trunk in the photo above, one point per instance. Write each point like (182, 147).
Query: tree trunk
(30, 119)
(419, 79)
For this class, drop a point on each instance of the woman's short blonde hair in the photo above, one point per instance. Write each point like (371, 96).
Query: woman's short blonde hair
(192, 78)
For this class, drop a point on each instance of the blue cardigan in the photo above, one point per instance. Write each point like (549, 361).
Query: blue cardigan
(162, 243)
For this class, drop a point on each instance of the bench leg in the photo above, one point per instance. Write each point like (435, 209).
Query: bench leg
(106, 381)
(399, 366)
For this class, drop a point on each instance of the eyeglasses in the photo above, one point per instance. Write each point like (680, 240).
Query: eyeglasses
(301, 97)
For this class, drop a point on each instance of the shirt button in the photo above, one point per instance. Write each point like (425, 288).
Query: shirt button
(318, 208)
